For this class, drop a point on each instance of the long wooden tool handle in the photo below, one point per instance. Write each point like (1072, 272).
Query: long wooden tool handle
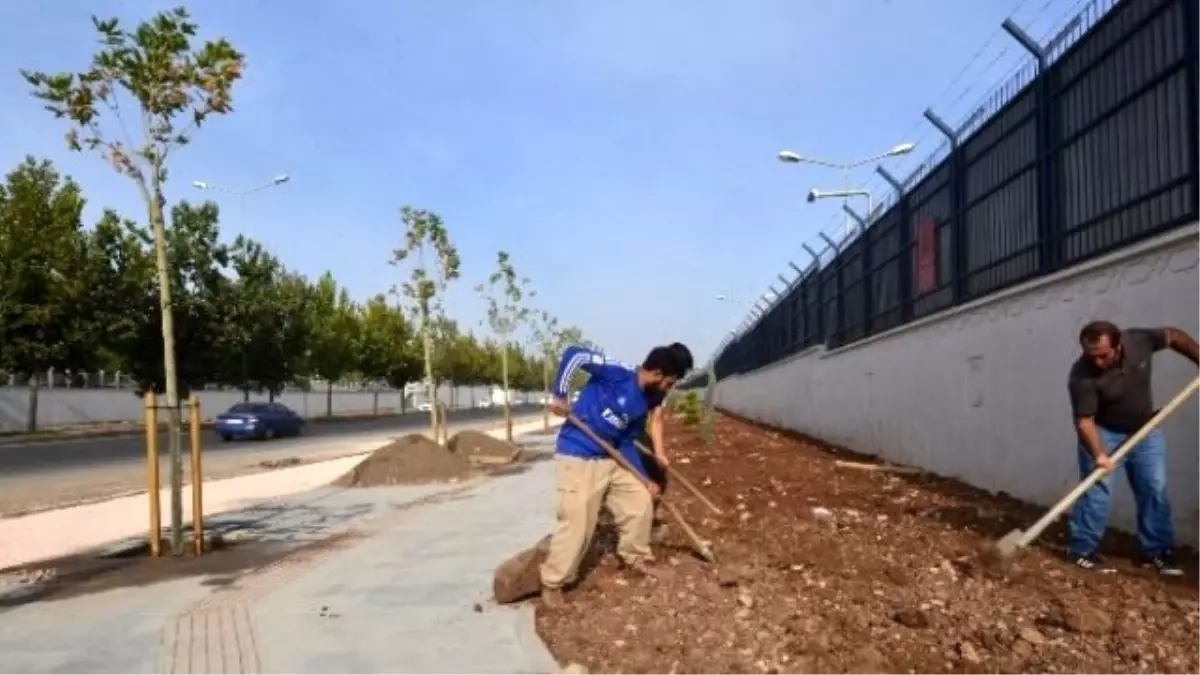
(1125, 448)
(624, 463)
(674, 473)
(701, 548)
(604, 445)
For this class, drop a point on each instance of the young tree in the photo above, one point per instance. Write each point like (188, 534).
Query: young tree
(198, 304)
(425, 237)
(505, 292)
(176, 89)
(544, 336)
(337, 327)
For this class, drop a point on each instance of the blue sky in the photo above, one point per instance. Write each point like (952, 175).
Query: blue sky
(621, 151)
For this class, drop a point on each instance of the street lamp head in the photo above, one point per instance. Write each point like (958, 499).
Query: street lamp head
(281, 179)
(790, 157)
(902, 149)
(199, 185)
(813, 195)
(722, 296)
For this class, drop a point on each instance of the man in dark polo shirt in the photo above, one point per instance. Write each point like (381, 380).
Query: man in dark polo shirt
(1111, 399)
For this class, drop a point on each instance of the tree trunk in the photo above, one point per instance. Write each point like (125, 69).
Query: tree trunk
(31, 421)
(329, 398)
(504, 376)
(427, 340)
(174, 438)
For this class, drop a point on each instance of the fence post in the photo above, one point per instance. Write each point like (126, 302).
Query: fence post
(1047, 139)
(958, 225)
(864, 263)
(197, 475)
(153, 481)
(904, 248)
(833, 337)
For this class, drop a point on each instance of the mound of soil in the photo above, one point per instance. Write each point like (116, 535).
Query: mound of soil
(829, 568)
(476, 444)
(410, 460)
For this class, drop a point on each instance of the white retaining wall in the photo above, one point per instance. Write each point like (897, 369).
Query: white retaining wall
(61, 407)
(979, 392)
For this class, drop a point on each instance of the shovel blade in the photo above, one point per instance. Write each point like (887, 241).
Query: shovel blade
(1009, 545)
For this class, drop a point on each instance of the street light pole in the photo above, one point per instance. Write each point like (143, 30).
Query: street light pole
(790, 157)
(205, 186)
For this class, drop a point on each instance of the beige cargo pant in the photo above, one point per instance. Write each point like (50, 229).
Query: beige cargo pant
(583, 486)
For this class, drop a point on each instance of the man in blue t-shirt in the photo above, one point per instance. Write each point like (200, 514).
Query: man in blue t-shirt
(614, 405)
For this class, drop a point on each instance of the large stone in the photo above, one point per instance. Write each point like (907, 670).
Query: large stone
(520, 576)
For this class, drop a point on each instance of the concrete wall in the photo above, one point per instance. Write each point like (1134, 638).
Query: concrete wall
(61, 407)
(978, 392)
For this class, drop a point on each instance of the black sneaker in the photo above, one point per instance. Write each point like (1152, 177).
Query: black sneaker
(1166, 565)
(1088, 561)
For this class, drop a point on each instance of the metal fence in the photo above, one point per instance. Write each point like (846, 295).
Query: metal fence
(1094, 150)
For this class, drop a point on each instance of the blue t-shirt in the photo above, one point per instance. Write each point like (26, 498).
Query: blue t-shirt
(611, 404)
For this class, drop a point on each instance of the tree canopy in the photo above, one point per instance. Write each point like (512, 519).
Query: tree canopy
(78, 296)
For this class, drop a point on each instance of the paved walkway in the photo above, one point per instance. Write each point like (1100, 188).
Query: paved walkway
(381, 580)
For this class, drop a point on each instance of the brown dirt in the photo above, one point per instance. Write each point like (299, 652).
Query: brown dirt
(409, 460)
(519, 577)
(471, 443)
(827, 569)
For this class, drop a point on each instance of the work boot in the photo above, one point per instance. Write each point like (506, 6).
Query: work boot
(552, 598)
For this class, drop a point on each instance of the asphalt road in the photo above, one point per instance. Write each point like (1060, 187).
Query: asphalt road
(70, 454)
(52, 474)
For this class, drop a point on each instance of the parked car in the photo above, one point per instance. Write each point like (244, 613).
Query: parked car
(483, 403)
(258, 420)
(424, 406)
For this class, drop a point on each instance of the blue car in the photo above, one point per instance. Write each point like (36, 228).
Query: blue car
(258, 420)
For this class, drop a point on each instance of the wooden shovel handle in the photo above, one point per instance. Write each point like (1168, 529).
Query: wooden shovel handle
(674, 473)
(698, 543)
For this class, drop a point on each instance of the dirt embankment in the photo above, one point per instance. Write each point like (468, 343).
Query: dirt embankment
(831, 569)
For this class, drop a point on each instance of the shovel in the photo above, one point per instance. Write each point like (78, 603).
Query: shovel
(702, 548)
(1015, 541)
(674, 473)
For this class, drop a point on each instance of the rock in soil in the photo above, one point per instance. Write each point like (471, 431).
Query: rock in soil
(519, 577)
(410, 460)
(471, 444)
(864, 593)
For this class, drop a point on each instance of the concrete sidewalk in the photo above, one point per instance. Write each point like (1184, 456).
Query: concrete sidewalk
(380, 580)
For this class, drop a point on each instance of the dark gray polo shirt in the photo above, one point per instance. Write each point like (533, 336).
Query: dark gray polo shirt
(1120, 398)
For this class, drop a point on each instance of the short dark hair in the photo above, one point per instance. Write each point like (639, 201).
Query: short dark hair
(672, 360)
(1094, 331)
(684, 354)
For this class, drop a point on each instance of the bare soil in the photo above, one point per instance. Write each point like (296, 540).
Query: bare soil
(409, 460)
(471, 443)
(830, 569)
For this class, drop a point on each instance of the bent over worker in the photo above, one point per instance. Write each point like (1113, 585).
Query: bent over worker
(653, 437)
(613, 404)
(1111, 399)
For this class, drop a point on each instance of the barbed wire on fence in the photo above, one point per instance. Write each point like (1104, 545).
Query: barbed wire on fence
(821, 249)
